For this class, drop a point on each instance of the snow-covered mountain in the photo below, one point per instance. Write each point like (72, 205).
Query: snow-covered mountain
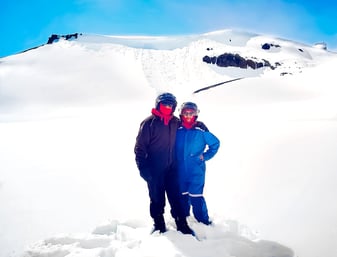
(53, 73)
(70, 111)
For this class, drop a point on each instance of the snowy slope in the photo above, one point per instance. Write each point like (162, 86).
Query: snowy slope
(178, 67)
(69, 114)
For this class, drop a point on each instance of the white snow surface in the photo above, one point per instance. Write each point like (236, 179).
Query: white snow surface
(69, 116)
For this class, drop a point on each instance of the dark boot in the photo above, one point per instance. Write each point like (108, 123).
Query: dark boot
(183, 227)
(159, 224)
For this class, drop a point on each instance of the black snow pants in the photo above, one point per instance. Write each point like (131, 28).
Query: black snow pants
(164, 182)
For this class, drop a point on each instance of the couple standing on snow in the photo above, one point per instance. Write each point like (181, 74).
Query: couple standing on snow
(170, 155)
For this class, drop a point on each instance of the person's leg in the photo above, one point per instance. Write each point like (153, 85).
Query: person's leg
(199, 207)
(157, 203)
(179, 208)
(186, 203)
(198, 202)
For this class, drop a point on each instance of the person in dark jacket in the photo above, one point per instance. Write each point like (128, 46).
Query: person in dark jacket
(155, 159)
(194, 146)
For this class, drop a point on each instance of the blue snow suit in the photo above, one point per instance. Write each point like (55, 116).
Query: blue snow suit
(155, 158)
(190, 145)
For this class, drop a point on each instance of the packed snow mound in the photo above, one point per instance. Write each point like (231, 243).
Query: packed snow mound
(132, 239)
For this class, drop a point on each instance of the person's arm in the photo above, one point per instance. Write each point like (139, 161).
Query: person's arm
(213, 144)
(141, 150)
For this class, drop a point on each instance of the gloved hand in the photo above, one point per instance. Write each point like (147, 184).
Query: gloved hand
(145, 173)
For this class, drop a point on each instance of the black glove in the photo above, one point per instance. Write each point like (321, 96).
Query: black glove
(145, 174)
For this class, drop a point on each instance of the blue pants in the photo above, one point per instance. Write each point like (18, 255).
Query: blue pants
(193, 197)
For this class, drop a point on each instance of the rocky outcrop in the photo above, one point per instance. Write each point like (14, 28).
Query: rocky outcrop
(267, 46)
(54, 38)
(321, 45)
(235, 60)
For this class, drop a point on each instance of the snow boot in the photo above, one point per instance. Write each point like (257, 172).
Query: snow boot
(183, 227)
(159, 224)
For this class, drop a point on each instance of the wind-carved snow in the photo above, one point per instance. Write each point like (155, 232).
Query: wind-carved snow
(175, 70)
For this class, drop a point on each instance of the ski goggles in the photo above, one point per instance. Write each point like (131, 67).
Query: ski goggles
(189, 113)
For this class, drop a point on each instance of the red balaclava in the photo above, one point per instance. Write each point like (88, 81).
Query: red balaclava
(165, 113)
(188, 121)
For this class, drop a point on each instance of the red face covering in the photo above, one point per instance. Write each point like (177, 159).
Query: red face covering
(165, 113)
(165, 109)
(188, 120)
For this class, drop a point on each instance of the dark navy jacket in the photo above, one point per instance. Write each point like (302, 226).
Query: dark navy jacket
(155, 152)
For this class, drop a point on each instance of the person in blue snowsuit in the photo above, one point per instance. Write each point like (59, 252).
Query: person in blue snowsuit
(194, 146)
(155, 159)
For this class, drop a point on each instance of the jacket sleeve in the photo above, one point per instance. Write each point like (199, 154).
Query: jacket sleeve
(141, 149)
(213, 144)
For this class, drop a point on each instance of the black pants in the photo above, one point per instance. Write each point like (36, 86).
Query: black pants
(164, 183)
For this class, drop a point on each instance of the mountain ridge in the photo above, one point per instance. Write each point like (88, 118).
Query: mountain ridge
(163, 63)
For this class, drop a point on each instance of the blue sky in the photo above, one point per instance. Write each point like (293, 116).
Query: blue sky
(26, 24)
